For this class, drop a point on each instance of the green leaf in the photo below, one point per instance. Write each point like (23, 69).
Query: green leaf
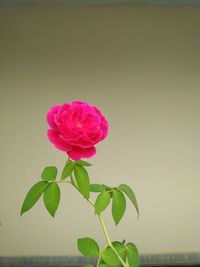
(107, 187)
(82, 180)
(33, 195)
(97, 188)
(118, 205)
(83, 163)
(88, 247)
(132, 255)
(103, 265)
(102, 202)
(88, 265)
(67, 170)
(52, 198)
(49, 173)
(109, 256)
(121, 249)
(129, 192)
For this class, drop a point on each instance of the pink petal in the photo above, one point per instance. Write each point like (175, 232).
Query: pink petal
(104, 126)
(50, 116)
(77, 153)
(56, 139)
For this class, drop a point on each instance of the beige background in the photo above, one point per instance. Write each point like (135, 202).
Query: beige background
(141, 67)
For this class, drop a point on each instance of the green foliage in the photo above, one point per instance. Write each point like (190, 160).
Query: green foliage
(132, 255)
(82, 180)
(97, 188)
(120, 248)
(118, 205)
(49, 173)
(52, 198)
(110, 257)
(129, 192)
(67, 170)
(83, 163)
(88, 247)
(33, 195)
(102, 202)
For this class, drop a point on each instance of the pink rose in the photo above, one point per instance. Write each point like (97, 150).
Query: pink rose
(75, 128)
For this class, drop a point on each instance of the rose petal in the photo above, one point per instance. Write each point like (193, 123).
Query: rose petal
(77, 153)
(104, 126)
(55, 138)
(50, 116)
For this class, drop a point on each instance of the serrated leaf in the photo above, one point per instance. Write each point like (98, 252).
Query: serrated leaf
(102, 202)
(88, 247)
(83, 163)
(33, 195)
(118, 205)
(67, 170)
(52, 198)
(97, 188)
(131, 195)
(110, 257)
(132, 255)
(49, 173)
(82, 180)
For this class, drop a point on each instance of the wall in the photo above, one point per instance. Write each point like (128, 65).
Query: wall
(140, 66)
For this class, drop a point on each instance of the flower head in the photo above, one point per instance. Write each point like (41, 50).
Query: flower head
(76, 128)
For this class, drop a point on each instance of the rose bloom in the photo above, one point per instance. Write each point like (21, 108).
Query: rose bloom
(76, 128)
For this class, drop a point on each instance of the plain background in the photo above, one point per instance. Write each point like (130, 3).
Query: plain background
(141, 67)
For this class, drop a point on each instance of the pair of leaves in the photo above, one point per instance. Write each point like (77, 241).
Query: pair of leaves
(118, 203)
(88, 247)
(33, 195)
(118, 199)
(51, 196)
(81, 175)
(128, 252)
(70, 165)
(47, 187)
(50, 189)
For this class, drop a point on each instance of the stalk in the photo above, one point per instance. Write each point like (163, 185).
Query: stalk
(102, 222)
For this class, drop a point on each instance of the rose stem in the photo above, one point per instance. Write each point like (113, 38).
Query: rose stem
(101, 221)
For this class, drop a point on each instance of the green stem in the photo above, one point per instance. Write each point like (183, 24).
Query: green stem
(98, 262)
(109, 241)
(102, 225)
